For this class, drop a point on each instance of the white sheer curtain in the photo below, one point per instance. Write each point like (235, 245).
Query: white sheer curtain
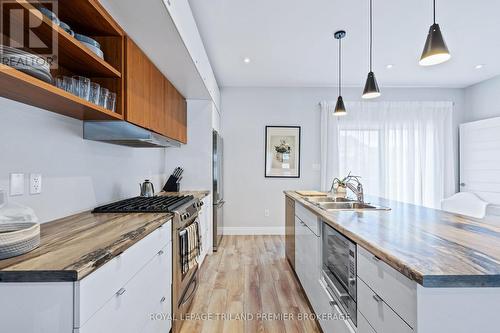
(402, 150)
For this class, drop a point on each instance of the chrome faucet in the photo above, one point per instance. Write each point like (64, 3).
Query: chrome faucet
(357, 190)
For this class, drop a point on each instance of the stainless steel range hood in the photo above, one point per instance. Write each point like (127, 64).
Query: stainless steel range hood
(125, 134)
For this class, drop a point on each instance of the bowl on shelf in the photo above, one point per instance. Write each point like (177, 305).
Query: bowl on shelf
(94, 49)
(88, 40)
(46, 12)
(67, 28)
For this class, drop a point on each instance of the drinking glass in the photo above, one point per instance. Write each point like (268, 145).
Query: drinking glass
(103, 97)
(69, 84)
(95, 90)
(111, 101)
(60, 82)
(83, 87)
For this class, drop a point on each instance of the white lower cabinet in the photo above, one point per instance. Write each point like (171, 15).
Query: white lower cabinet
(205, 218)
(98, 288)
(307, 257)
(133, 305)
(399, 292)
(379, 315)
(363, 325)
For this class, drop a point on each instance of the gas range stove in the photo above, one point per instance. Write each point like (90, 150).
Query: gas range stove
(156, 204)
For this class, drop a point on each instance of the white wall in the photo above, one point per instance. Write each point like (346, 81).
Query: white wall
(482, 100)
(196, 156)
(76, 174)
(246, 113)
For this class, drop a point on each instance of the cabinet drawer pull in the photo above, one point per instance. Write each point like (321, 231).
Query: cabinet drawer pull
(162, 299)
(377, 298)
(121, 292)
(376, 258)
(160, 252)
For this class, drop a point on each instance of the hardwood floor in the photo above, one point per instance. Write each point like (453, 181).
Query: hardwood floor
(249, 276)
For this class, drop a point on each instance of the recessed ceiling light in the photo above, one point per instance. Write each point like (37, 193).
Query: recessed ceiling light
(246, 60)
(479, 66)
(389, 66)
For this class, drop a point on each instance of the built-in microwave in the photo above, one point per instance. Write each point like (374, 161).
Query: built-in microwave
(339, 269)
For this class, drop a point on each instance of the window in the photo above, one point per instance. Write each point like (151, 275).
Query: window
(402, 151)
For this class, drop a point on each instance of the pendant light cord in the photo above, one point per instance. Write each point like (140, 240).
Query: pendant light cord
(371, 34)
(340, 67)
(434, 10)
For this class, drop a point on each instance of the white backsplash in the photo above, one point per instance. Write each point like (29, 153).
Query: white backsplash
(77, 174)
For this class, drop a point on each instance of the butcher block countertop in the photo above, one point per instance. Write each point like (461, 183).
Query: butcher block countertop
(432, 247)
(75, 246)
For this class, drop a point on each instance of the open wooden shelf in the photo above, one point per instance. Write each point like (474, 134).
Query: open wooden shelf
(71, 54)
(75, 56)
(24, 88)
(88, 17)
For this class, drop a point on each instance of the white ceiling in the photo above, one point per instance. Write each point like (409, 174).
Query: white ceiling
(290, 42)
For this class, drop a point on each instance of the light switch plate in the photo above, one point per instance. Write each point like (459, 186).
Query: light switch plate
(16, 184)
(35, 183)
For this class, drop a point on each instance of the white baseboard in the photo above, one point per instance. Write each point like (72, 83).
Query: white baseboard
(253, 230)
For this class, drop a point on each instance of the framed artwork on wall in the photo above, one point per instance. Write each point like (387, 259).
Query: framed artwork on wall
(282, 154)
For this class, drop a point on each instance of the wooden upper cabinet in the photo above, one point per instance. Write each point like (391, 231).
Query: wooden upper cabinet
(152, 101)
(137, 85)
(158, 108)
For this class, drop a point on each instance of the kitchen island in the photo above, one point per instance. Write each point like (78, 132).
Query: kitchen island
(433, 271)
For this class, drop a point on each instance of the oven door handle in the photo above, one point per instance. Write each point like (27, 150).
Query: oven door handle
(336, 292)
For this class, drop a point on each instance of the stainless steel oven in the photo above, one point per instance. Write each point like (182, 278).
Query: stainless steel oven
(339, 269)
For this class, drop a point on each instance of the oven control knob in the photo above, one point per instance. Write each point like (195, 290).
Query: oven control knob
(201, 203)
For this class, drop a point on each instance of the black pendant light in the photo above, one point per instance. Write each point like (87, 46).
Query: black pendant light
(371, 87)
(435, 50)
(340, 107)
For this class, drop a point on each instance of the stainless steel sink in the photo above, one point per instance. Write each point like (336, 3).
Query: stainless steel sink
(319, 200)
(331, 206)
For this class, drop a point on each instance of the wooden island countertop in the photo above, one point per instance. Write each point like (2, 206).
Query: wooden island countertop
(432, 247)
(73, 247)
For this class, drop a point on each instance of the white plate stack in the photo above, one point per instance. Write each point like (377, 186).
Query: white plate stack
(26, 62)
(19, 228)
(18, 238)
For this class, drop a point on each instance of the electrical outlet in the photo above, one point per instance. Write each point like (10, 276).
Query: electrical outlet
(16, 184)
(266, 212)
(35, 183)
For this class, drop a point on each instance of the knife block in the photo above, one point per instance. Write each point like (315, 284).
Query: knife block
(172, 184)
